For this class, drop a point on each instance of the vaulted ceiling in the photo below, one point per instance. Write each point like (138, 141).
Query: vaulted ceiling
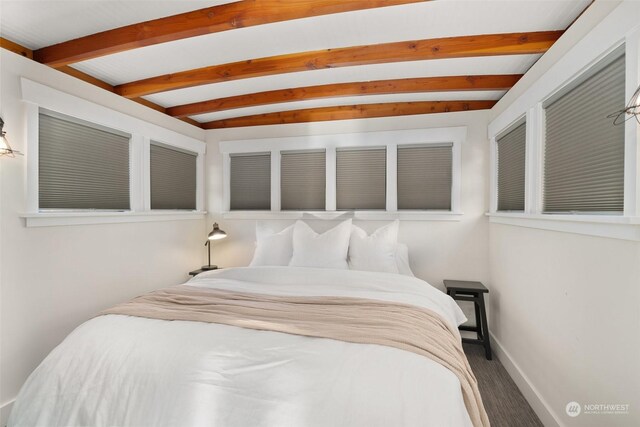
(223, 64)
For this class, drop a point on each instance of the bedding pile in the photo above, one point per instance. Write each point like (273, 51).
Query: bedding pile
(119, 369)
(402, 326)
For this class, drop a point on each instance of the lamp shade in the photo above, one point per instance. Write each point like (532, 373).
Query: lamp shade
(216, 233)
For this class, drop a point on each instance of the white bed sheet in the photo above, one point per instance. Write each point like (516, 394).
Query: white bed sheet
(129, 371)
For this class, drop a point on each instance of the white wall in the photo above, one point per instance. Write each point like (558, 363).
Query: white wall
(565, 309)
(438, 249)
(54, 278)
(565, 306)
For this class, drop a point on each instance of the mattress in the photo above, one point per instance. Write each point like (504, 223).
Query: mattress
(134, 371)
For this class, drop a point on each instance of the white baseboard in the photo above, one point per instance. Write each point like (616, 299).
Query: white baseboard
(5, 409)
(540, 406)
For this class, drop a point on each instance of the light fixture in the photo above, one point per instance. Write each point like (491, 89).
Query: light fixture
(632, 109)
(5, 148)
(215, 234)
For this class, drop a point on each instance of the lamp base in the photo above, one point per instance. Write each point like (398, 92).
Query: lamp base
(209, 267)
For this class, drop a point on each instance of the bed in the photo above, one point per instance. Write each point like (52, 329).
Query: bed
(136, 370)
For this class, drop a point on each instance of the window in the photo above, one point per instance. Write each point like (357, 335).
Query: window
(81, 166)
(584, 151)
(425, 177)
(173, 178)
(90, 164)
(250, 181)
(361, 176)
(511, 167)
(303, 180)
(346, 172)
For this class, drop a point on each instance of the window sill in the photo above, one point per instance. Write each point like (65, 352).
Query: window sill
(611, 226)
(357, 215)
(48, 219)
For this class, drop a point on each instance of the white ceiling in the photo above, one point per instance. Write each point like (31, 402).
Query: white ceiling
(383, 25)
(35, 24)
(39, 23)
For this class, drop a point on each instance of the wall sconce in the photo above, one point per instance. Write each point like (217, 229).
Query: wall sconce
(5, 148)
(632, 109)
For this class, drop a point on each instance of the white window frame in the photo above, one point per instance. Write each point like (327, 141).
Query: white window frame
(493, 165)
(388, 139)
(146, 175)
(325, 172)
(133, 158)
(390, 204)
(603, 41)
(541, 110)
(227, 181)
(38, 96)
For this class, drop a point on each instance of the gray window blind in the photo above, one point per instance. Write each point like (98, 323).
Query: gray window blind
(361, 178)
(584, 151)
(173, 178)
(80, 166)
(303, 180)
(424, 177)
(511, 167)
(250, 181)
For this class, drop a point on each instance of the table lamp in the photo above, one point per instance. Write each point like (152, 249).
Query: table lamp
(216, 234)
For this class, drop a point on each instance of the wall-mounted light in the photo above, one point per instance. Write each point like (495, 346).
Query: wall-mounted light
(632, 109)
(5, 148)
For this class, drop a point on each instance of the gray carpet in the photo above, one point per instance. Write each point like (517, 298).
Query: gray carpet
(504, 403)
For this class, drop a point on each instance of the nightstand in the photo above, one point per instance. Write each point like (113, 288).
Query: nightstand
(461, 290)
(200, 270)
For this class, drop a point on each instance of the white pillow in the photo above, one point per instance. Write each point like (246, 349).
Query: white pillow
(272, 248)
(376, 252)
(326, 250)
(402, 259)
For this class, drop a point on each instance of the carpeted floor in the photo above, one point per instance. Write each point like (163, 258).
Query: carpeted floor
(504, 403)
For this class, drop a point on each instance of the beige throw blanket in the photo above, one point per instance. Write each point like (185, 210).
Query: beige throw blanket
(356, 320)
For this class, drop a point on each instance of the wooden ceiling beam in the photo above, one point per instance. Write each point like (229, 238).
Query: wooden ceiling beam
(21, 50)
(345, 112)
(16, 48)
(380, 87)
(106, 86)
(87, 78)
(240, 14)
(449, 47)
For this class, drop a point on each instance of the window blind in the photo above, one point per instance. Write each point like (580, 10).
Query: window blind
(80, 166)
(361, 178)
(303, 180)
(424, 177)
(250, 181)
(511, 168)
(173, 178)
(584, 151)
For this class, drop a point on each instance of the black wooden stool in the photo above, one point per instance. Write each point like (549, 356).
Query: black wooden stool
(461, 290)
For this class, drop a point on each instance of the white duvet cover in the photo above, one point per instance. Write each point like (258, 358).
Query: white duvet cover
(128, 371)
